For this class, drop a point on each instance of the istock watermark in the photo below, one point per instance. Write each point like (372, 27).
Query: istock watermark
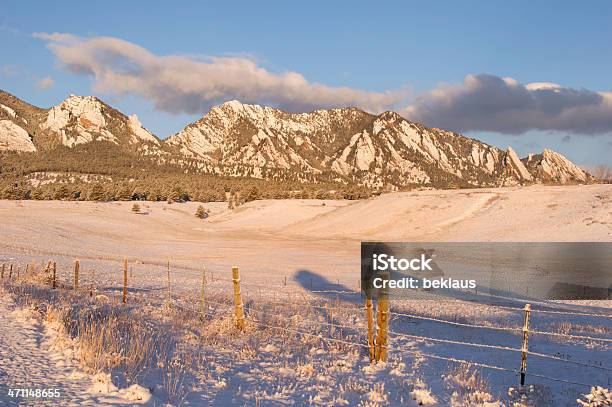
(526, 270)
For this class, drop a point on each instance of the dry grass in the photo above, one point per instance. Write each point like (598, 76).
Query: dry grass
(467, 386)
(108, 337)
(180, 346)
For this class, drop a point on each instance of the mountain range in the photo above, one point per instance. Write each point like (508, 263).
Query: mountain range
(343, 145)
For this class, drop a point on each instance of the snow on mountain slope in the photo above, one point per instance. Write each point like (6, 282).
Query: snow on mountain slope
(344, 145)
(347, 144)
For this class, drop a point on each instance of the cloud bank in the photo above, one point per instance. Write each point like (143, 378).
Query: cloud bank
(184, 84)
(491, 103)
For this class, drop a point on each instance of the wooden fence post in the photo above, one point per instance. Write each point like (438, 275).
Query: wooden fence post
(238, 298)
(331, 318)
(168, 281)
(11, 272)
(370, 313)
(525, 346)
(91, 284)
(77, 267)
(54, 268)
(203, 305)
(125, 280)
(3, 267)
(383, 328)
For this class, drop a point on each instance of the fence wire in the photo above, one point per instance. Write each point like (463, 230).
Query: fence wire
(91, 284)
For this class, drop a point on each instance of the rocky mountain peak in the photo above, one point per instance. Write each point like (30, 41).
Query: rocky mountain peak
(389, 116)
(344, 145)
(515, 165)
(83, 119)
(139, 132)
(350, 145)
(551, 166)
(87, 110)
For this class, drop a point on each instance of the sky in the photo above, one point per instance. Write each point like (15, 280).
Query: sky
(530, 74)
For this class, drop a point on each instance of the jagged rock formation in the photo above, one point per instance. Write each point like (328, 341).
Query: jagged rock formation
(79, 120)
(515, 167)
(14, 137)
(343, 145)
(24, 119)
(554, 167)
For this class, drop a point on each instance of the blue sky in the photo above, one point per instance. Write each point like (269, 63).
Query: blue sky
(385, 55)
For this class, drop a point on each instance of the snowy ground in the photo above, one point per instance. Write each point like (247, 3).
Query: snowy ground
(315, 246)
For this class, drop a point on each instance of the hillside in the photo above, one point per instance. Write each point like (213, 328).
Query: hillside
(384, 151)
(344, 152)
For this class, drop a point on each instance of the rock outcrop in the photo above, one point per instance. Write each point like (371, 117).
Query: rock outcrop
(344, 145)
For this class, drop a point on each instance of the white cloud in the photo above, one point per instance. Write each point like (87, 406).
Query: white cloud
(45, 83)
(191, 84)
(490, 103)
(186, 84)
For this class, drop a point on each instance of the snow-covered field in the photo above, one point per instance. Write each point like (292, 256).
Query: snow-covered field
(305, 340)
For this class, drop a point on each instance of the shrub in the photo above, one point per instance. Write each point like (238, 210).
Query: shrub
(201, 212)
(136, 208)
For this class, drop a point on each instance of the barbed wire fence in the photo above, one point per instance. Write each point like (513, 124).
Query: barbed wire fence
(378, 338)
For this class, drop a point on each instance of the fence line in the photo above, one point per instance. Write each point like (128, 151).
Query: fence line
(305, 320)
(310, 335)
(479, 345)
(559, 380)
(254, 310)
(257, 322)
(588, 338)
(575, 362)
(455, 323)
(542, 311)
(501, 328)
(453, 342)
(493, 367)
(284, 317)
(399, 334)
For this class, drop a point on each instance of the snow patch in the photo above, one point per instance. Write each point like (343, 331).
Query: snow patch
(136, 393)
(102, 383)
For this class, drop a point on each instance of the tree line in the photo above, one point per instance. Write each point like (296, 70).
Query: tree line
(105, 172)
